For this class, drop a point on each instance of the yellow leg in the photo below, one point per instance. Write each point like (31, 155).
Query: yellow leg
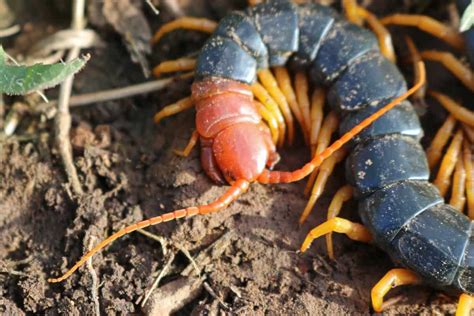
(468, 132)
(357, 14)
(302, 87)
(351, 10)
(434, 152)
(458, 111)
(342, 195)
(429, 25)
(354, 231)
(325, 171)
(182, 64)
(317, 115)
(269, 82)
(270, 119)
(187, 150)
(284, 82)
(415, 59)
(330, 124)
(186, 22)
(467, 159)
(254, 2)
(174, 108)
(457, 68)
(262, 95)
(458, 198)
(443, 178)
(465, 305)
(393, 278)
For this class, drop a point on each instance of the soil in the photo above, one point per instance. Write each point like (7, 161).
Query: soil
(129, 172)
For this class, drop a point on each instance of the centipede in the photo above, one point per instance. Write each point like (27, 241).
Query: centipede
(246, 108)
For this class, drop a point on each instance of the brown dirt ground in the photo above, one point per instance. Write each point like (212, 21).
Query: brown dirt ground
(43, 229)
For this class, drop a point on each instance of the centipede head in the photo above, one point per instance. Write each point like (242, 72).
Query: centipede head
(236, 142)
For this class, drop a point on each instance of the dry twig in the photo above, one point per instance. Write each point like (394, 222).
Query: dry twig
(63, 117)
(95, 280)
(162, 274)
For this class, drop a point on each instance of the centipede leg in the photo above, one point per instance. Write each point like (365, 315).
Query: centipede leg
(284, 82)
(317, 115)
(182, 64)
(393, 278)
(415, 59)
(173, 109)
(342, 195)
(302, 87)
(186, 22)
(434, 152)
(271, 120)
(329, 127)
(457, 110)
(269, 82)
(443, 178)
(429, 25)
(191, 144)
(467, 159)
(354, 231)
(269, 176)
(357, 14)
(465, 305)
(262, 95)
(458, 198)
(325, 171)
(454, 65)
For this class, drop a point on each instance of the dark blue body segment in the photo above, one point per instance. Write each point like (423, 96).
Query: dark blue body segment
(382, 161)
(239, 27)
(277, 23)
(341, 46)
(465, 277)
(366, 82)
(402, 119)
(387, 166)
(387, 210)
(433, 244)
(238, 64)
(314, 22)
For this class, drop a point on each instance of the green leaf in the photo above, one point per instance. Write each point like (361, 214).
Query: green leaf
(19, 80)
(467, 20)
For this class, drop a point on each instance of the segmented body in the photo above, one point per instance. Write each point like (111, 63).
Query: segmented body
(387, 167)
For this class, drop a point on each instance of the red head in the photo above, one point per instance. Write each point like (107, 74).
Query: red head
(235, 142)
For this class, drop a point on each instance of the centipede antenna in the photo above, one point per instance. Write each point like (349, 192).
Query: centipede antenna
(238, 188)
(187, 23)
(268, 176)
